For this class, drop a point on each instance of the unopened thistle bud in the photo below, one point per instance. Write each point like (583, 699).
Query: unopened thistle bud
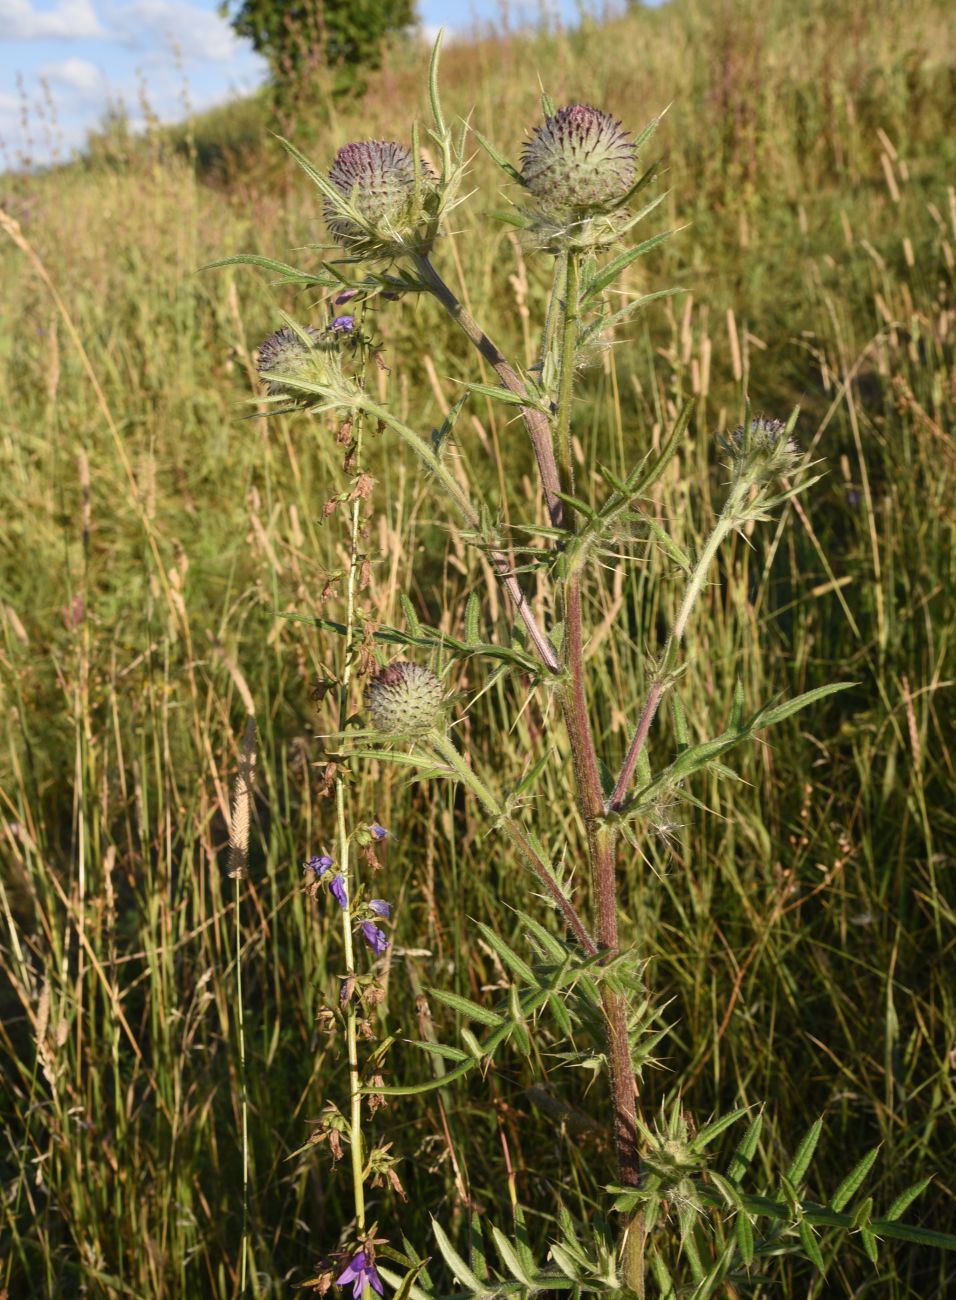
(286, 355)
(579, 162)
(405, 698)
(378, 177)
(766, 454)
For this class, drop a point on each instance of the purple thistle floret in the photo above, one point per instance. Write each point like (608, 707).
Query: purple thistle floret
(319, 865)
(375, 938)
(343, 325)
(380, 907)
(337, 889)
(378, 832)
(361, 1272)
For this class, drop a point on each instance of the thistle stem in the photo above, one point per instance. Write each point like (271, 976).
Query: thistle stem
(602, 839)
(566, 378)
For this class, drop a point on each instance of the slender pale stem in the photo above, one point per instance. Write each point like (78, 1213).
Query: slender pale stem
(538, 863)
(244, 1097)
(356, 1143)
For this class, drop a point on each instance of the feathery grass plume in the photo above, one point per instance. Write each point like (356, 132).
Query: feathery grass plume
(241, 800)
(388, 194)
(286, 355)
(579, 162)
(405, 698)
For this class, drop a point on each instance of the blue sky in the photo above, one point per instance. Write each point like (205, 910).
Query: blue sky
(83, 55)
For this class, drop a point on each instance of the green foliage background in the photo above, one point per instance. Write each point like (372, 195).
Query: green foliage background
(348, 34)
(153, 534)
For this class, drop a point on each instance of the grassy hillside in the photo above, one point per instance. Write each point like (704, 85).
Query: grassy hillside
(154, 533)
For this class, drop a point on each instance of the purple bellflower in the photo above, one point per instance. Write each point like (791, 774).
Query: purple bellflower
(377, 832)
(319, 865)
(375, 938)
(380, 907)
(343, 325)
(361, 1272)
(337, 888)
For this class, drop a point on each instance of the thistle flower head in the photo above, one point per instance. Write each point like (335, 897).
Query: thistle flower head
(286, 354)
(405, 698)
(378, 177)
(579, 162)
(766, 453)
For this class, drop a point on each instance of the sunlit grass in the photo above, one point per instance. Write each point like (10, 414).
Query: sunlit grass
(155, 532)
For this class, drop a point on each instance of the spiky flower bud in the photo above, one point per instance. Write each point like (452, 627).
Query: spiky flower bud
(579, 162)
(767, 453)
(405, 698)
(378, 177)
(286, 355)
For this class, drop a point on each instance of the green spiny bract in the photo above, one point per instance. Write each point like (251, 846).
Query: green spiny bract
(387, 194)
(405, 698)
(766, 453)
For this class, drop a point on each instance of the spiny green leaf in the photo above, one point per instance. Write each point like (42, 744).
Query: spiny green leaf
(465, 1007)
(804, 1154)
(769, 716)
(510, 958)
(455, 1262)
(906, 1198)
(853, 1181)
(472, 611)
(511, 1259)
(444, 1050)
(498, 158)
(810, 1246)
(620, 263)
(267, 264)
(746, 1149)
(411, 617)
(744, 1233)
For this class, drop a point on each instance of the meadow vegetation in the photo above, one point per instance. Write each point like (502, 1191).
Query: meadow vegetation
(156, 533)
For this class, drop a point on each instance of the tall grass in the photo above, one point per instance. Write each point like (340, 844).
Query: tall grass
(154, 535)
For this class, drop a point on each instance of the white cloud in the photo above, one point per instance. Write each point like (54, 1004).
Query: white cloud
(67, 20)
(82, 78)
(199, 35)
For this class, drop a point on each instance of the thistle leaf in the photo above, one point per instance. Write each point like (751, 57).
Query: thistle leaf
(464, 1007)
(853, 1181)
(804, 1154)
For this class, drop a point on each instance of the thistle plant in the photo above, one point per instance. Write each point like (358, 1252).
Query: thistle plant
(677, 1220)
